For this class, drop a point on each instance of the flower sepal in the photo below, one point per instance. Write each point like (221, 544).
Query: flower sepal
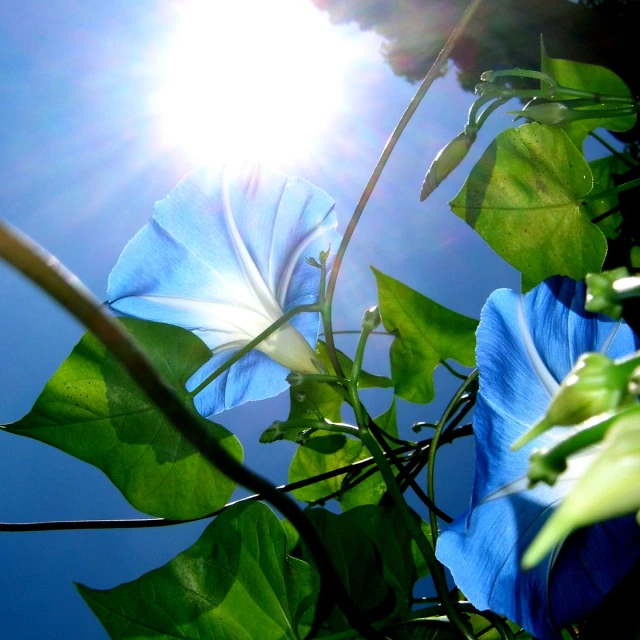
(607, 290)
(609, 488)
(596, 385)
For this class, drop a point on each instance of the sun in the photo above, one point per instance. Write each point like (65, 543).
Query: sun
(250, 79)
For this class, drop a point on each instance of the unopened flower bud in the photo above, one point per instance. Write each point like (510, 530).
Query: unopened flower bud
(608, 488)
(595, 385)
(446, 161)
(295, 378)
(303, 437)
(551, 113)
(371, 319)
(324, 255)
(602, 296)
(273, 433)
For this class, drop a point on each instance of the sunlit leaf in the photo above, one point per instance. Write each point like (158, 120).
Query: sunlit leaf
(594, 79)
(426, 334)
(320, 454)
(326, 452)
(524, 197)
(94, 411)
(235, 582)
(328, 399)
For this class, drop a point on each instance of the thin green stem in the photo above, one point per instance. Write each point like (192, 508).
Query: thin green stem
(305, 308)
(451, 407)
(632, 184)
(498, 624)
(434, 73)
(628, 160)
(489, 110)
(472, 119)
(46, 272)
(490, 76)
(321, 425)
(393, 488)
(590, 95)
(452, 371)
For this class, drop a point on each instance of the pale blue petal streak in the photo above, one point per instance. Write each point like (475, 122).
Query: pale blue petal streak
(226, 250)
(525, 344)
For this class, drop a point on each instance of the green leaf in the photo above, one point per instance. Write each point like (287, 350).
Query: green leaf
(326, 398)
(524, 198)
(371, 489)
(320, 454)
(371, 550)
(439, 630)
(324, 453)
(235, 582)
(426, 334)
(421, 564)
(480, 624)
(93, 410)
(603, 171)
(608, 488)
(594, 79)
(356, 562)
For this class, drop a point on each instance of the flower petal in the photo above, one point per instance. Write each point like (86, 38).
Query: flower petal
(525, 346)
(224, 256)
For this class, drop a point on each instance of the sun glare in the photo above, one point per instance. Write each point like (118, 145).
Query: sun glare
(250, 78)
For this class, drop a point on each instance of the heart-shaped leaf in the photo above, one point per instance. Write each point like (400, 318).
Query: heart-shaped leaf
(236, 581)
(93, 410)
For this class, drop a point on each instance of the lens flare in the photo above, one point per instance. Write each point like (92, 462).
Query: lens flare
(250, 79)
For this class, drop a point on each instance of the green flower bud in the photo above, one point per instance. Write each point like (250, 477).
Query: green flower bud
(295, 378)
(595, 385)
(446, 161)
(273, 433)
(371, 319)
(551, 113)
(541, 469)
(602, 296)
(609, 488)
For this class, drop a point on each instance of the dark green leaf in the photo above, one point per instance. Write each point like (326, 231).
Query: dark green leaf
(426, 334)
(235, 582)
(356, 561)
(371, 549)
(94, 411)
(524, 197)
(603, 171)
(424, 631)
(371, 489)
(592, 78)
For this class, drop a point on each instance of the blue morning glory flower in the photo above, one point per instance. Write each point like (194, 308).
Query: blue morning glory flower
(224, 256)
(526, 345)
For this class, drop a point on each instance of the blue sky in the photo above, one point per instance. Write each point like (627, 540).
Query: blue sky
(84, 156)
